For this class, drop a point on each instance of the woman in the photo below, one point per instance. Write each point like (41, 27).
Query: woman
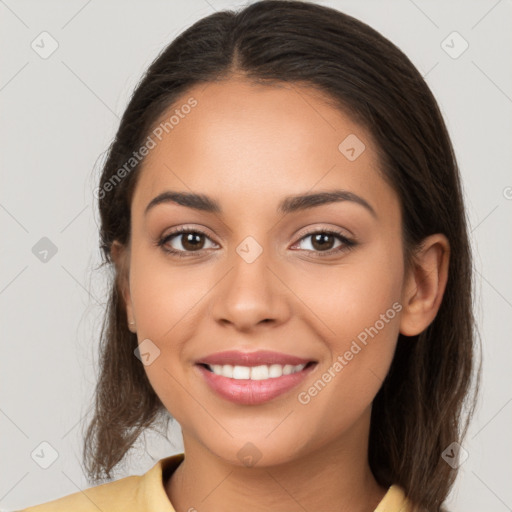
(282, 211)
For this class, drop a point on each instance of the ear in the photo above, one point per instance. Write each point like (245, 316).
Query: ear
(425, 285)
(120, 257)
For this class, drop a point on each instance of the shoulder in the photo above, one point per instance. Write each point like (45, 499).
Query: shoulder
(395, 501)
(134, 493)
(111, 496)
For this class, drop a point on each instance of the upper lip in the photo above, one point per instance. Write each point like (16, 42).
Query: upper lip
(260, 357)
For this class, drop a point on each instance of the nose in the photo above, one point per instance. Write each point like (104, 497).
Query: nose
(251, 294)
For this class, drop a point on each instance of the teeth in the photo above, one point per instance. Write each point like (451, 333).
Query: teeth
(262, 372)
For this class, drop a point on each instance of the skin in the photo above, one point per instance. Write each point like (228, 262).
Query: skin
(248, 146)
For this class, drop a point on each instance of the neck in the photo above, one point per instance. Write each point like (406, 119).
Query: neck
(335, 476)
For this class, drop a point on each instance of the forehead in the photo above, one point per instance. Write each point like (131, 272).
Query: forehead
(258, 142)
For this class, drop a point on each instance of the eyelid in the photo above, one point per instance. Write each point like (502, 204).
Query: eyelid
(326, 229)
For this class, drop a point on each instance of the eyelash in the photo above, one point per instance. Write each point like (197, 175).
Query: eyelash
(348, 244)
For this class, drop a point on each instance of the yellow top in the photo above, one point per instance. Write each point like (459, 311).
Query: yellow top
(146, 493)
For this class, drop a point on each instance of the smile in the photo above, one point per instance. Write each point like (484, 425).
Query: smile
(261, 372)
(253, 385)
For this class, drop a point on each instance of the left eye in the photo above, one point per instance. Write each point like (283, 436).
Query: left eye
(322, 241)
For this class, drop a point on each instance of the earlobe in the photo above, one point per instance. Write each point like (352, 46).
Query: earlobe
(425, 285)
(119, 256)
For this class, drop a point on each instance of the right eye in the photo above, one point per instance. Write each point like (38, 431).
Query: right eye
(189, 239)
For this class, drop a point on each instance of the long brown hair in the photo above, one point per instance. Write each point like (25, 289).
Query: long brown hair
(424, 403)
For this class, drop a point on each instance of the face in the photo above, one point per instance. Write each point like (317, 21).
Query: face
(323, 282)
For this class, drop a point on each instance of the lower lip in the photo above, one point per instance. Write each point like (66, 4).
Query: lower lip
(253, 392)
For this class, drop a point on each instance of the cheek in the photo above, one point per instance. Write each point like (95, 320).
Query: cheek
(352, 295)
(165, 297)
(360, 354)
(358, 305)
(168, 301)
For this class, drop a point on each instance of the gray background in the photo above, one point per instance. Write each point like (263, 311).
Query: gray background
(58, 116)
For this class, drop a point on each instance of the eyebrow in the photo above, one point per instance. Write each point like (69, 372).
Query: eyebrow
(289, 204)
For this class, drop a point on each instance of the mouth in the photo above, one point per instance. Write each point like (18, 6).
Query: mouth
(253, 385)
(260, 372)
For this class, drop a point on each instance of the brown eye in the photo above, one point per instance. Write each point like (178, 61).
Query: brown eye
(184, 241)
(322, 241)
(192, 241)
